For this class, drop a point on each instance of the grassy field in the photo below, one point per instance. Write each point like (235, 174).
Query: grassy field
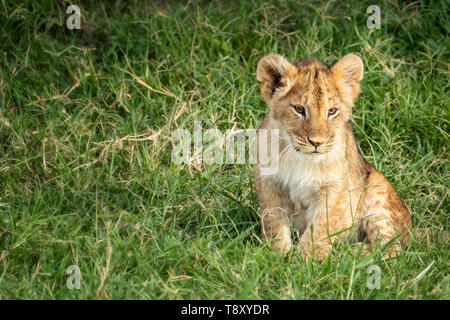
(86, 175)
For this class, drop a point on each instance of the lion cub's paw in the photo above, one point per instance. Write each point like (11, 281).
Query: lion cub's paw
(282, 246)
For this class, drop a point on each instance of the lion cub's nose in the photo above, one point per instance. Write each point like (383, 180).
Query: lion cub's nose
(316, 141)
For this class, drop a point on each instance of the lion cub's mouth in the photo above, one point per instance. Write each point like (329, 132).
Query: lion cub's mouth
(301, 146)
(313, 152)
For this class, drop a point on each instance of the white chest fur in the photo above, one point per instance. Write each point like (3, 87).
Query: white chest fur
(305, 178)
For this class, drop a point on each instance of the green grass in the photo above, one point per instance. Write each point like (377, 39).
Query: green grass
(78, 188)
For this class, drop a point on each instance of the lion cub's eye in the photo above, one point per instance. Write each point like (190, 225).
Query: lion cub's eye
(332, 112)
(299, 109)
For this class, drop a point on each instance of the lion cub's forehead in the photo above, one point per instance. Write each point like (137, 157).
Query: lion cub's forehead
(311, 64)
(314, 81)
(313, 71)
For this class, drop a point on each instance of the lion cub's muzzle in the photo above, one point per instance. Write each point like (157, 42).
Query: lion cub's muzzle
(312, 145)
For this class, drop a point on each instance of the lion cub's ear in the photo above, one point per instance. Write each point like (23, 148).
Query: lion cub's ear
(348, 72)
(275, 74)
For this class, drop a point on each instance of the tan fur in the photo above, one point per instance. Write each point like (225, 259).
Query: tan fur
(323, 188)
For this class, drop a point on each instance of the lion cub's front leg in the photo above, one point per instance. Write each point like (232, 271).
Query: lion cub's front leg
(332, 222)
(275, 209)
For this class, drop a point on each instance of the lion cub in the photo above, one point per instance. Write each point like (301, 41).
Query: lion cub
(322, 187)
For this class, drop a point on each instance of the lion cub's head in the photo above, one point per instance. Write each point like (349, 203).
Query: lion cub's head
(310, 100)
